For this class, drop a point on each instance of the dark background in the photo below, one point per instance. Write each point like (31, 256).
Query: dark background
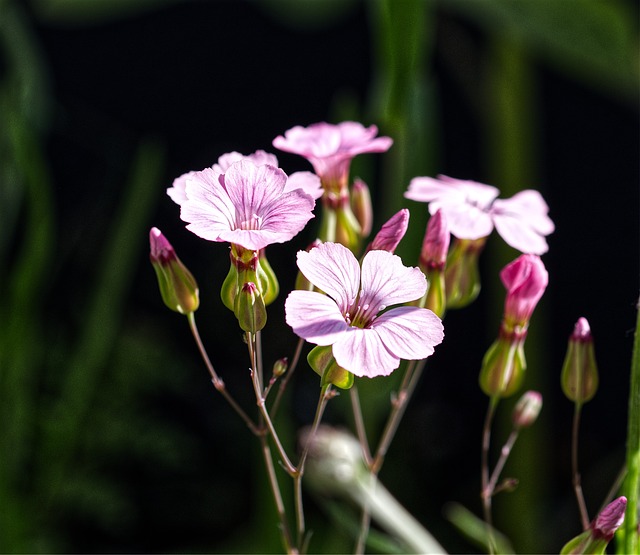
(148, 457)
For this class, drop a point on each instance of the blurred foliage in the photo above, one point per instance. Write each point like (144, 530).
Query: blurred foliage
(85, 378)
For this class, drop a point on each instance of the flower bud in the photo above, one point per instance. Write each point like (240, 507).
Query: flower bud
(462, 278)
(525, 280)
(391, 233)
(362, 206)
(348, 231)
(503, 367)
(321, 359)
(435, 244)
(249, 308)
(600, 532)
(579, 377)
(280, 366)
(178, 287)
(527, 409)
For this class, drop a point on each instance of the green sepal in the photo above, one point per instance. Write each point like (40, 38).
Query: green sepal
(321, 359)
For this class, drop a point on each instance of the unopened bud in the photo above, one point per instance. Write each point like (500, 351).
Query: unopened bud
(362, 206)
(178, 287)
(579, 371)
(280, 366)
(249, 308)
(435, 245)
(348, 231)
(527, 409)
(462, 276)
(391, 232)
(503, 367)
(321, 359)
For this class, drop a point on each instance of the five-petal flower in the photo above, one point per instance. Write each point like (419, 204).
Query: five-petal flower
(472, 210)
(366, 339)
(248, 205)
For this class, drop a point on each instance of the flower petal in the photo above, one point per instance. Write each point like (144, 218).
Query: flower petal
(362, 352)
(386, 281)
(314, 317)
(308, 182)
(207, 208)
(332, 268)
(409, 332)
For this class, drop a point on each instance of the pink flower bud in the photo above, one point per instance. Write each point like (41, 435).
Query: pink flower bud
(525, 280)
(609, 519)
(527, 409)
(436, 242)
(391, 233)
(178, 287)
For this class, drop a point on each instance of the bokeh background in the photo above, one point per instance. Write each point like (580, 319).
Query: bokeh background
(113, 439)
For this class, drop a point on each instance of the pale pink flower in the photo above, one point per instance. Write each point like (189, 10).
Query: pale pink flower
(525, 280)
(306, 181)
(330, 148)
(472, 210)
(366, 341)
(248, 205)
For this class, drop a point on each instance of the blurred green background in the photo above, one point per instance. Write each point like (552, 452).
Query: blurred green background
(113, 439)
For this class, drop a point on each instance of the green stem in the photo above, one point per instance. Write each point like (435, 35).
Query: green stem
(632, 483)
(577, 486)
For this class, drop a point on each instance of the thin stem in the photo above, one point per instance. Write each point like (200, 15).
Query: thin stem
(365, 524)
(486, 497)
(216, 379)
(258, 357)
(275, 488)
(287, 377)
(289, 467)
(325, 394)
(504, 455)
(359, 424)
(577, 487)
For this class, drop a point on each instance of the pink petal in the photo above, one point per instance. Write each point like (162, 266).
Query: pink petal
(332, 268)
(208, 209)
(316, 141)
(177, 191)
(517, 234)
(250, 187)
(409, 333)
(386, 281)
(361, 352)
(465, 220)
(314, 317)
(306, 181)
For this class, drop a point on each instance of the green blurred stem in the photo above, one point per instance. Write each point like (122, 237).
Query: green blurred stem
(486, 492)
(216, 379)
(632, 483)
(577, 486)
(504, 455)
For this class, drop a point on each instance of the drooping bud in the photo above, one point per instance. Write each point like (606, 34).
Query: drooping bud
(391, 232)
(362, 206)
(178, 287)
(249, 308)
(594, 540)
(527, 409)
(462, 278)
(579, 371)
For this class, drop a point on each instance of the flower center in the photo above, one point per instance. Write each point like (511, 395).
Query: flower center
(254, 222)
(363, 311)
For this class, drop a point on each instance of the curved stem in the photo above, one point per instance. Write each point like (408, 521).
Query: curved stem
(577, 487)
(216, 379)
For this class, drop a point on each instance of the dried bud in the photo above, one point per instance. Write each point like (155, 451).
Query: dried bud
(579, 371)
(527, 409)
(178, 287)
(362, 206)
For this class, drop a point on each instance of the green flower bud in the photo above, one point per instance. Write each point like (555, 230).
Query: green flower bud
(249, 308)
(362, 206)
(321, 359)
(280, 366)
(503, 366)
(462, 277)
(178, 287)
(579, 377)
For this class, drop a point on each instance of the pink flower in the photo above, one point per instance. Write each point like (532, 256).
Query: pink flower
(330, 148)
(248, 205)
(472, 211)
(306, 181)
(348, 317)
(525, 280)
